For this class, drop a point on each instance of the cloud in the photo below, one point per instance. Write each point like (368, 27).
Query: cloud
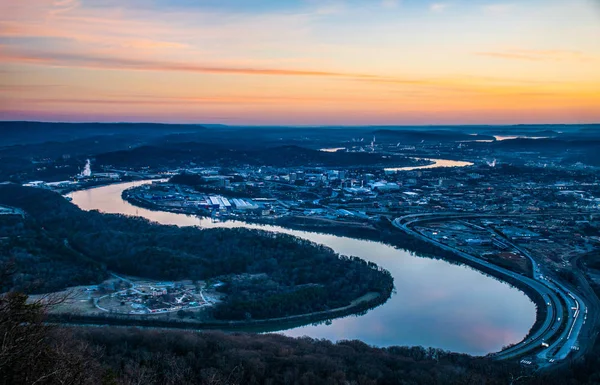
(438, 7)
(117, 63)
(539, 55)
(84, 27)
(461, 84)
(129, 64)
(498, 8)
(157, 102)
(329, 9)
(63, 6)
(27, 87)
(390, 4)
(150, 100)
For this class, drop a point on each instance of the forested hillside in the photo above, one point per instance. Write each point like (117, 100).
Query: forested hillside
(43, 263)
(173, 154)
(33, 352)
(294, 276)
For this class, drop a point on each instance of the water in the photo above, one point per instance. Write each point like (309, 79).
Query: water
(436, 304)
(436, 163)
(501, 138)
(336, 149)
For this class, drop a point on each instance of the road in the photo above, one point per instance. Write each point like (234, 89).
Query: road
(559, 300)
(575, 307)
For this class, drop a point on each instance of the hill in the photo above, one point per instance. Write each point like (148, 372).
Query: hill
(297, 276)
(169, 155)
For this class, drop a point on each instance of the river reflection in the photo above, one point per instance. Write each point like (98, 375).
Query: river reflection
(436, 304)
(501, 138)
(436, 163)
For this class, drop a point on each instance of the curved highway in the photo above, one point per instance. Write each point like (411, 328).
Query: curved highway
(565, 310)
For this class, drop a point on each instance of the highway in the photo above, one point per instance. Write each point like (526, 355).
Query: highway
(560, 349)
(567, 341)
(559, 300)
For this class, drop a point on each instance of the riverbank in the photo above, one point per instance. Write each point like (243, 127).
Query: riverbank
(358, 306)
(418, 282)
(90, 185)
(267, 278)
(383, 231)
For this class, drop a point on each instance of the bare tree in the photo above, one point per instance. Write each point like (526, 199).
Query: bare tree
(34, 352)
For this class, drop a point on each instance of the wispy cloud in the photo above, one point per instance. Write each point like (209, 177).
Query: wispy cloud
(330, 9)
(118, 63)
(128, 64)
(150, 100)
(457, 85)
(438, 7)
(84, 28)
(390, 4)
(539, 55)
(302, 56)
(63, 6)
(27, 87)
(499, 8)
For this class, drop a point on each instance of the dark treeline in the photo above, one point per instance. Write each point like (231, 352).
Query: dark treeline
(593, 259)
(433, 134)
(167, 154)
(43, 263)
(190, 358)
(578, 148)
(286, 275)
(21, 132)
(34, 352)
(28, 152)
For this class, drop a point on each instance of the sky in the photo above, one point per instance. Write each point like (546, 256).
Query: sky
(301, 62)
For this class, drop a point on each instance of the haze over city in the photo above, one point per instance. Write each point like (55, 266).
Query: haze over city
(307, 62)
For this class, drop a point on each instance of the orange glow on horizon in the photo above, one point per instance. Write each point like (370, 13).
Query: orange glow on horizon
(65, 61)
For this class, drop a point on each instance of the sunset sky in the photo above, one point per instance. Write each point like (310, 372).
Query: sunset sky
(301, 62)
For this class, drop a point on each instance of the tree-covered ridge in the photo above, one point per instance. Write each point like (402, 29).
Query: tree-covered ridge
(210, 154)
(35, 352)
(295, 276)
(43, 263)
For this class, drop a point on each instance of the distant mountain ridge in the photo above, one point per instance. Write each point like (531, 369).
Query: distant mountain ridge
(210, 154)
(23, 132)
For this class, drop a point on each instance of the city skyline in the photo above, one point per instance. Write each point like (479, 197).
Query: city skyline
(301, 62)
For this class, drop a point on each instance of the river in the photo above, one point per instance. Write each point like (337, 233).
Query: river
(436, 163)
(436, 304)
